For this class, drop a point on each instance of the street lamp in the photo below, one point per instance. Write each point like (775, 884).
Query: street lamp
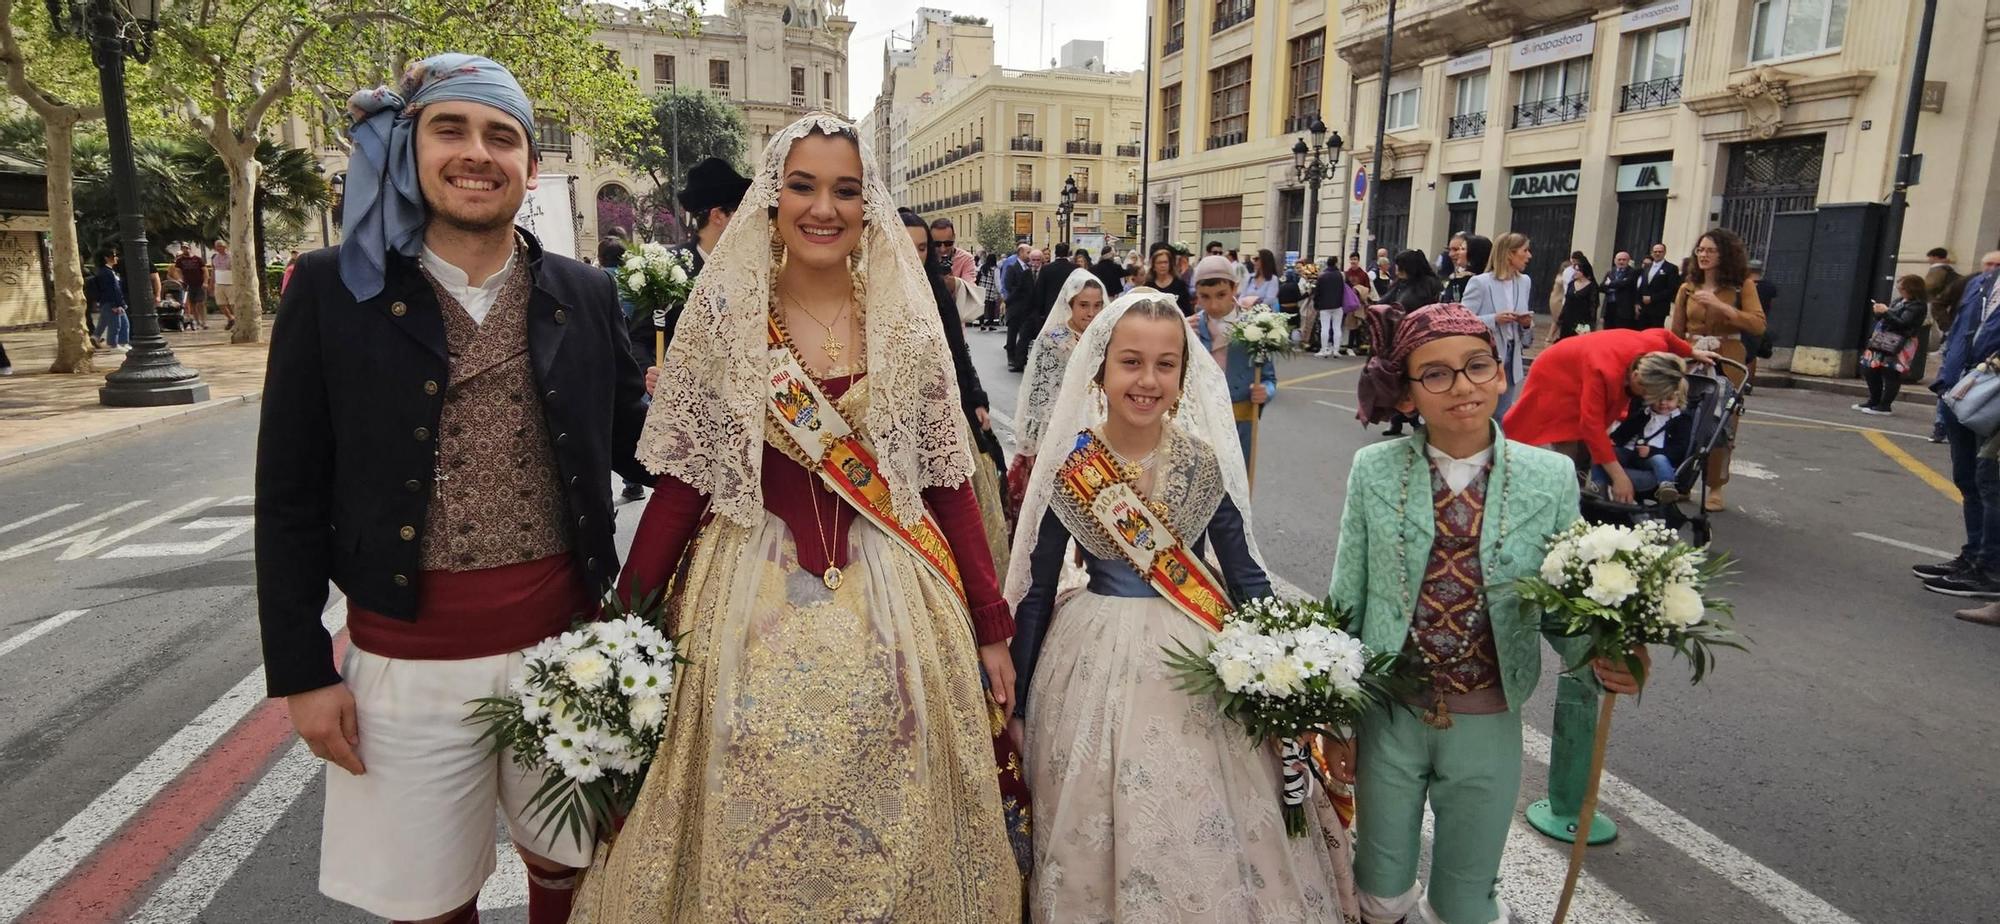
(1067, 210)
(151, 376)
(1311, 169)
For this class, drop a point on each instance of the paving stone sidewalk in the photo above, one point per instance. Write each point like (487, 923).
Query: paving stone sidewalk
(41, 412)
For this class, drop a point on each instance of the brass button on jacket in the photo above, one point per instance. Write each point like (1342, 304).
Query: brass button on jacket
(422, 433)
(430, 388)
(562, 316)
(408, 533)
(399, 309)
(401, 580)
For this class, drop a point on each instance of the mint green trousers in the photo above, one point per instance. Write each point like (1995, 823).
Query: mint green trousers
(1471, 775)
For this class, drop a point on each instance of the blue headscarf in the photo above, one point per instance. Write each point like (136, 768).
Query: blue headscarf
(383, 208)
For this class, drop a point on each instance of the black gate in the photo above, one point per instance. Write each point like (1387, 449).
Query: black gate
(1548, 224)
(1462, 216)
(1642, 217)
(1768, 177)
(1392, 215)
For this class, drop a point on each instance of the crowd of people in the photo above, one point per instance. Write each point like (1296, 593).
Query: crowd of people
(921, 683)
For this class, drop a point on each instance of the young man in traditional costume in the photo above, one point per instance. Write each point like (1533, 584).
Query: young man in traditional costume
(443, 408)
(1436, 524)
(1215, 294)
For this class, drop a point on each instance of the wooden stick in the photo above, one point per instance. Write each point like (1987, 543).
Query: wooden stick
(1588, 812)
(659, 347)
(1250, 461)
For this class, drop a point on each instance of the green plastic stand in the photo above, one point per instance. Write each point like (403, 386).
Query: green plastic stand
(1569, 767)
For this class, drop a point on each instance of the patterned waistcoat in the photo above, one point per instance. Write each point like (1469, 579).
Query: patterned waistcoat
(497, 499)
(1450, 629)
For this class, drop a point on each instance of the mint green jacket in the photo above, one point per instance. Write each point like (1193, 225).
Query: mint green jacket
(1389, 506)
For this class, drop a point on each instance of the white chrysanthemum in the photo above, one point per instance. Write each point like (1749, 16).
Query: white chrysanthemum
(677, 274)
(574, 640)
(1235, 674)
(1554, 563)
(532, 708)
(1598, 544)
(647, 711)
(1680, 605)
(1610, 583)
(560, 748)
(1283, 676)
(587, 667)
(635, 675)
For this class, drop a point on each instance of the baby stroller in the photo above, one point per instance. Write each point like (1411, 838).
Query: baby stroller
(1715, 404)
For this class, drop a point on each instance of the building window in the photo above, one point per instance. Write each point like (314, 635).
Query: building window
(1553, 93)
(826, 89)
(1024, 226)
(1024, 125)
(1024, 176)
(1082, 175)
(551, 136)
(1231, 12)
(1170, 122)
(1308, 66)
(1403, 92)
(1468, 106)
(663, 70)
(1783, 28)
(1176, 26)
(718, 74)
(1656, 69)
(1229, 104)
(1082, 128)
(1292, 208)
(799, 83)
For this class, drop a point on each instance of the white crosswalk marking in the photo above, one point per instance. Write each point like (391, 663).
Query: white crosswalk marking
(40, 629)
(81, 546)
(37, 518)
(50, 539)
(228, 529)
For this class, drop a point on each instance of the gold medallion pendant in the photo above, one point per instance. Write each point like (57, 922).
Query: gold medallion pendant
(832, 577)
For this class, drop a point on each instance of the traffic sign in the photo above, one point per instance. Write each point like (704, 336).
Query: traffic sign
(1360, 183)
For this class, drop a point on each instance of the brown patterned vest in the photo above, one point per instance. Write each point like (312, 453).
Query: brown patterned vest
(1450, 629)
(497, 500)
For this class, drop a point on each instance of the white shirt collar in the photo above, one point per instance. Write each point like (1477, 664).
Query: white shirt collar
(1458, 472)
(476, 300)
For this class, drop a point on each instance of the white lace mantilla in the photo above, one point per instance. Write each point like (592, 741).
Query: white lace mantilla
(706, 426)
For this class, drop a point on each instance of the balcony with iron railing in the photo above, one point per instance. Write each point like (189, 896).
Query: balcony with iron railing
(1466, 125)
(1129, 150)
(1232, 14)
(1081, 146)
(1226, 139)
(1658, 93)
(1553, 111)
(1088, 197)
(1173, 46)
(1025, 143)
(1169, 151)
(1124, 198)
(1300, 122)
(1024, 195)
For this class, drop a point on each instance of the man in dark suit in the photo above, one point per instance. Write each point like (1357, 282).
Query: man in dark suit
(1621, 294)
(714, 191)
(1020, 308)
(443, 408)
(1048, 285)
(1662, 281)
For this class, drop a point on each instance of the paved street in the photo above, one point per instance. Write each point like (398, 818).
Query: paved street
(1838, 773)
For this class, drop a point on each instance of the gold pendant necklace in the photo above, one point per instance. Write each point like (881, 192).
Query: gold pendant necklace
(832, 576)
(832, 345)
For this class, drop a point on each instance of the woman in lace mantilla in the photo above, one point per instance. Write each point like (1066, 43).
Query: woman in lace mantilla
(1149, 804)
(829, 755)
(1081, 298)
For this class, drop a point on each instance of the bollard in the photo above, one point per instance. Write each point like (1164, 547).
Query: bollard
(1569, 766)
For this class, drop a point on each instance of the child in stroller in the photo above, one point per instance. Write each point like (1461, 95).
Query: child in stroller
(1704, 423)
(1652, 440)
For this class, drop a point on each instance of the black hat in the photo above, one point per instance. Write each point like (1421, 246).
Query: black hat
(713, 184)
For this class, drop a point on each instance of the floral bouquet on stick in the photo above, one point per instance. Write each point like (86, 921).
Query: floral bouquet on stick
(1622, 588)
(1287, 670)
(1264, 333)
(589, 710)
(654, 278)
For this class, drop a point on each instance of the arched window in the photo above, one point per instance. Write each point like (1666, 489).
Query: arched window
(617, 213)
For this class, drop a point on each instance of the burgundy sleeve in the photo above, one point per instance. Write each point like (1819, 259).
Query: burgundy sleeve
(957, 512)
(665, 529)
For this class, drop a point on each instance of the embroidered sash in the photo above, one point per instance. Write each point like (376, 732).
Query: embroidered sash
(844, 461)
(1098, 486)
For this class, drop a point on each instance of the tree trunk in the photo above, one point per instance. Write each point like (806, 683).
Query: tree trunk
(73, 349)
(245, 291)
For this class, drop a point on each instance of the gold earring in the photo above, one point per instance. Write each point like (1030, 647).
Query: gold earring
(777, 249)
(1099, 403)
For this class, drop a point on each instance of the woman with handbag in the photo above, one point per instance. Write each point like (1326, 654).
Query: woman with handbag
(1892, 344)
(1715, 307)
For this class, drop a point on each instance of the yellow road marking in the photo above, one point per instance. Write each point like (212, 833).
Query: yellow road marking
(1314, 376)
(1924, 472)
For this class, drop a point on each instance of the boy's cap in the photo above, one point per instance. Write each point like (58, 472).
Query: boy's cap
(1214, 266)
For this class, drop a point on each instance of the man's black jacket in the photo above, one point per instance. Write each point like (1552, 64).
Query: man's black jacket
(347, 443)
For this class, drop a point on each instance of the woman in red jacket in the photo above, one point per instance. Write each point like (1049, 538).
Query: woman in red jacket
(1579, 388)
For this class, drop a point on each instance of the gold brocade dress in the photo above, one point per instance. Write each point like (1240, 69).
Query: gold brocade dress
(827, 755)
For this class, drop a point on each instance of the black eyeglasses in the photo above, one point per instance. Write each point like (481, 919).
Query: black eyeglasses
(1478, 370)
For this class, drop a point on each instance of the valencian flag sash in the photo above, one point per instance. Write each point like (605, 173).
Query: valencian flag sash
(1101, 487)
(846, 463)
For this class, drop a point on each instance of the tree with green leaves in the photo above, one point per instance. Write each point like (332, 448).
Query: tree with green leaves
(238, 63)
(996, 232)
(685, 126)
(57, 82)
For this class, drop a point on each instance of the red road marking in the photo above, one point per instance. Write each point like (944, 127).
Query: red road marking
(112, 882)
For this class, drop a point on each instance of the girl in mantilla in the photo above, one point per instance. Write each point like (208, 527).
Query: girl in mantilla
(1149, 805)
(830, 753)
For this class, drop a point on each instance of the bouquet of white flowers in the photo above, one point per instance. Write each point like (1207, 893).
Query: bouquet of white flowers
(654, 277)
(591, 706)
(1285, 670)
(1622, 588)
(1265, 333)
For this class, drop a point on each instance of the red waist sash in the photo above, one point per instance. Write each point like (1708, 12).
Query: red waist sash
(477, 614)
